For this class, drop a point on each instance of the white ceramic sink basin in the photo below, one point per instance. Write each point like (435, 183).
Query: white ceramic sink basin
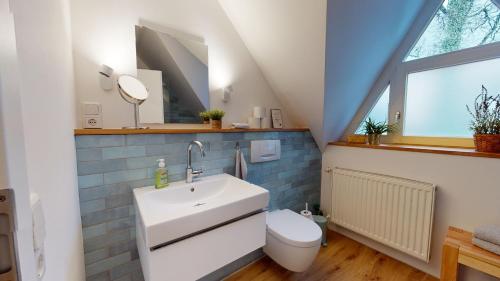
(182, 209)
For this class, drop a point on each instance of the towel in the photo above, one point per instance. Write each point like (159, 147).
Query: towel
(240, 125)
(489, 233)
(241, 165)
(490, 247)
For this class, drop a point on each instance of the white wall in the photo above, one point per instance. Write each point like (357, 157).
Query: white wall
(12, 134)
(103, 33)
(468, 192)
(8, 57)
(3, 165)
(287, 40)
(48, 114)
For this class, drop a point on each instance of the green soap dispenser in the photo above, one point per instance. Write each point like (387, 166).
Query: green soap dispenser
(161, 175)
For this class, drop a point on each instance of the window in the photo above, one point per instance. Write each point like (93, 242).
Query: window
(380, 111)
(457, 25)
(436, 99)
(456, 54)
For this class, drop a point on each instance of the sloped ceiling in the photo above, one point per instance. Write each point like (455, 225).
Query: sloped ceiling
(361, 37)
(322, 57)
(287, 40)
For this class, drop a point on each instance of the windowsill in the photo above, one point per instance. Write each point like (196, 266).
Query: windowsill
(448, 150)
(449, 142)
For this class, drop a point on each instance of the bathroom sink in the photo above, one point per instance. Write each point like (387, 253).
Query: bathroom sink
(183, 209)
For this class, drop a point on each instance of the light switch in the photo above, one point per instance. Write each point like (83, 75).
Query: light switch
(91, 108)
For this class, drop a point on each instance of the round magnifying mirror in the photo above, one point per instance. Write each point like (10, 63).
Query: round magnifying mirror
(133, 91)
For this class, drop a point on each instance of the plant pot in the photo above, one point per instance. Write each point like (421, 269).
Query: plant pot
(487, 143)
(357, 139)
(216, 124)
(373, 139)
(206, 121)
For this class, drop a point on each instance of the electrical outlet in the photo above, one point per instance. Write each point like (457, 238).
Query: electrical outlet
(92, 122)
(92, 115)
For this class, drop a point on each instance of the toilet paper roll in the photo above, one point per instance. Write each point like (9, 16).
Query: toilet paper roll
(254, 123)
(259, 112)
(307, 214)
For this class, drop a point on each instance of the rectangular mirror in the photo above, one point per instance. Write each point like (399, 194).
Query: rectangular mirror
(175, 71)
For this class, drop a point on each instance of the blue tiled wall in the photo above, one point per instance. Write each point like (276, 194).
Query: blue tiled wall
(109, 167)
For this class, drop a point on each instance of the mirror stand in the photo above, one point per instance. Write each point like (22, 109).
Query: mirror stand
(136, 120)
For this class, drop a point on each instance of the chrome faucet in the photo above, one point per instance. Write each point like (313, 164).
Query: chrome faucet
(190, 173)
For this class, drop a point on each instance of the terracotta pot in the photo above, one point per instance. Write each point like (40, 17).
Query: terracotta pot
(216, 124)
(487, 143)
(374, 139)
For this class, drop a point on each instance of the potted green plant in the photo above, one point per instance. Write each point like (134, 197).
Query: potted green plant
(205, 116)
(216, 118)
(485, 122)
(375, 129)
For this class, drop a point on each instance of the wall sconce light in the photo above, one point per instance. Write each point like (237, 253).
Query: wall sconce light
(226, 93)
(105, 77)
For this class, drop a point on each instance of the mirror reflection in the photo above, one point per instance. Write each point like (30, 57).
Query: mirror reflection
(175, 71)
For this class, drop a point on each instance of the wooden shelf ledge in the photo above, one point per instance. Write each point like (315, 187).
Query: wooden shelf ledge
(457, 151)
(81, 132)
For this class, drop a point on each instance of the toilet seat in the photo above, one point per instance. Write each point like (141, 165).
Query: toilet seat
(293, 229)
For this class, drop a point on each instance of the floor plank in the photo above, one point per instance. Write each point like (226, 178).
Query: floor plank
(343, 260)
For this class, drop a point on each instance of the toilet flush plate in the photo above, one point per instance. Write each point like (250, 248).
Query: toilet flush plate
(265, 150)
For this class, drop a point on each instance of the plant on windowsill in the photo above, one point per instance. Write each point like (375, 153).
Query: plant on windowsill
(205, 116)
(216, 118)
(485, 122)
(375, 129)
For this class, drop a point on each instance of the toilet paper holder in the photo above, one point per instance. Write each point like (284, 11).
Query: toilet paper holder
(8, 269)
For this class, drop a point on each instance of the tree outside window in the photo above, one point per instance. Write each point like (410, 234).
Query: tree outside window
(459, 24)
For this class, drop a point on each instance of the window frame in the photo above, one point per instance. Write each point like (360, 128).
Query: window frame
(456, 58)
(398, 88)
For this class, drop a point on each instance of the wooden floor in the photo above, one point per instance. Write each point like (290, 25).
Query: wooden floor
(343, 260)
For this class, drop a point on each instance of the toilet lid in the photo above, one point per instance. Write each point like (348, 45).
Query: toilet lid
(293, 229)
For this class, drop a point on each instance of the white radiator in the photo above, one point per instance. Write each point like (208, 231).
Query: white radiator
(394, 211)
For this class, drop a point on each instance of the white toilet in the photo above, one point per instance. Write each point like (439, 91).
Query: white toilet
(292, 240)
